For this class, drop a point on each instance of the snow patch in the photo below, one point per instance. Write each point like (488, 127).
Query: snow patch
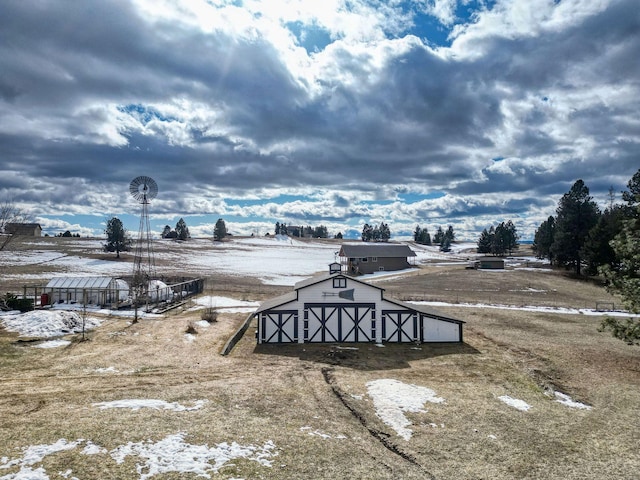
(46, 323)
(173, 454)
(391, 398)
(515, 403)
(53, 344)
(135, 405)
(565, 399)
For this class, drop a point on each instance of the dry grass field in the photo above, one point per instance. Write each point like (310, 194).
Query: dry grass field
(312, 402)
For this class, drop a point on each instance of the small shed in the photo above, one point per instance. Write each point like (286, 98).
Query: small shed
(339, 308)
(363, 258)
(490, 263)
(25, 229)
(92, 290)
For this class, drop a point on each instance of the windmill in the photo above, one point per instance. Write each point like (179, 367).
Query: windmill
(143, 189)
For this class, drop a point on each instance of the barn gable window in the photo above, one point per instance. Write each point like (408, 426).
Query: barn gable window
(340, 282)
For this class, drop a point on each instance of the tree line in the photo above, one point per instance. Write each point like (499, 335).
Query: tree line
(299, 231)
(500, 240)
(376, 233)
(441, 237)
(582, 238)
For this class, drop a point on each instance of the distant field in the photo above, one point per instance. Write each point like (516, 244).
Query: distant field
(307, 410)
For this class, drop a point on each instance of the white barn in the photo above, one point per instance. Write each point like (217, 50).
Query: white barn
(339, 308)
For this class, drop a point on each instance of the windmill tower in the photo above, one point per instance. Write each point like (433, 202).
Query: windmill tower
(143, 189)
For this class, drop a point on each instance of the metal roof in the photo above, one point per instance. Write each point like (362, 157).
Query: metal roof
(376, 250)
(80, 282)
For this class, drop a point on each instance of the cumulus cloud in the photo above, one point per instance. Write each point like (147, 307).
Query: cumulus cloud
(350, 106)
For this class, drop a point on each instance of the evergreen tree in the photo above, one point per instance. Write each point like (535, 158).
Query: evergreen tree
(439, 236)
(219, 230)
(445, 245)
(338, 235)
(283, 229)
(484, 242)
(632, 195)
(277, 228)
(367, 233)
(623, 277)
(117, 237)
(385, 233)
(597, 249)
(543, 239)
(166, 231)
(321, 232)
(417, 234)
(450, 234)
(498, 240)
(511, 237)
(425, 237)
(577, 214)
(182, 231)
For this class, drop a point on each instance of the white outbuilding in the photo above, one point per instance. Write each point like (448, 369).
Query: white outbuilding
(339, 308)
(90, 290)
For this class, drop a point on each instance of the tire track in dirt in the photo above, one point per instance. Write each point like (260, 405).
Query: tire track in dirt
(379, 435)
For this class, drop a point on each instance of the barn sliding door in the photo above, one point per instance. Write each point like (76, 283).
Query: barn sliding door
(400, 326)
(339, 322)
(279, 326)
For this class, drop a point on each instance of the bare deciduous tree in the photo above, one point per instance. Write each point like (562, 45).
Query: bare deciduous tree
(11, 213)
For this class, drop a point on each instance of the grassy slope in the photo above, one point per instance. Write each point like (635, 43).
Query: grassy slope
(262, 393)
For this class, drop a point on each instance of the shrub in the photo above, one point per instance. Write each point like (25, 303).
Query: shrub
(627, 329)
(15, 303)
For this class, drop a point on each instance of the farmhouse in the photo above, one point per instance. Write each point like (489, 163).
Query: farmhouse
(339, 308)
(91, 290)
(26, 229)
(363, 258)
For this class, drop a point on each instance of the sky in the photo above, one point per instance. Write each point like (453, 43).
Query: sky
(335, 113)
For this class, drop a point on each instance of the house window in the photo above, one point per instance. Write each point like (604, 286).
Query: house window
(381, 269)
(364, 260)
(374, 259)
(340, 282)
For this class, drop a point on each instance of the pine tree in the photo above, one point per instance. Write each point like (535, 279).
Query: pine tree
(511, 237)
(417, 234)
(219, 230)
(484, 242)
(445, 245)
(166, 231)
(450, 233)
(577, 214)
(367, 233)
(543, 239)
(118, 239)
(439, 236)
(385, 233)
(632, 194)
(182, 231)
(597, 249)
(277, 228)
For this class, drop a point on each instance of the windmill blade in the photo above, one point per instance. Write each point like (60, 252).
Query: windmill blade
(143, 188)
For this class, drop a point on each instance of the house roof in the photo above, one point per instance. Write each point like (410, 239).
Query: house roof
(80, 282)
(21, 227)
(388, 250)
(277, 301)
(490, 259)
(428, 311)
